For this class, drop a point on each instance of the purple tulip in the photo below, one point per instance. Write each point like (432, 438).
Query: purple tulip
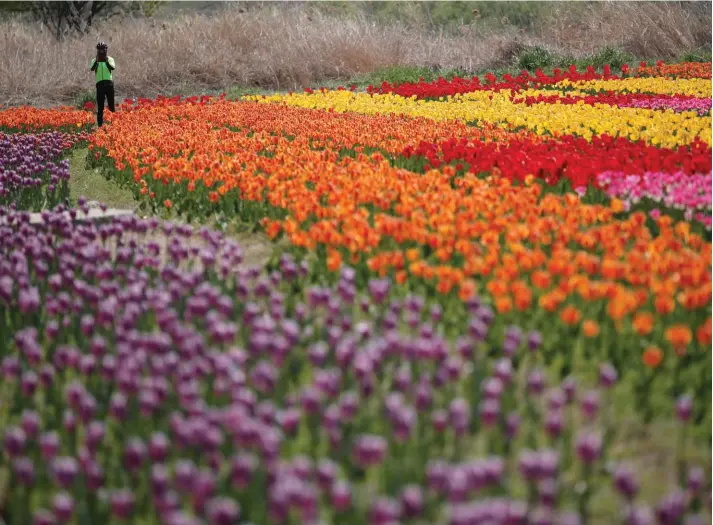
(29, 383)
(492, 388)
(547, 492)
(63, 507)
(590, 404)
(478, 329)
(439, 420)
(541, 516)
(535, 382)
(607, 375)
(65, 471)
(326, 473)
(670, 510)
(49, 445)
(639, 515)
(369, 450)
(222, 511)
(548, 463)
(158, 448)
(43, 517)
(412, 500)
(379, 289)
(30, 422)
(503, 370)
(384, 511)
(534, 340)
(588, 447)
(512, 425)
(95, 434)
(341, 496)
(569, 388)
(684, 408)
(489, 412)
(554, 423)
(568, 518)
(122, 503)
(24, 470)
(625, 482)
(459, 415)
(15, 441)
(557, 399)
(118, 406)
(696, 479)
(185, 473)
(134, 453)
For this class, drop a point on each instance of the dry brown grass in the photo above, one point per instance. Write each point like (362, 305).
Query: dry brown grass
(288, 49)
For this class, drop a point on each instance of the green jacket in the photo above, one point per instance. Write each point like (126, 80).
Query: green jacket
(103, 70)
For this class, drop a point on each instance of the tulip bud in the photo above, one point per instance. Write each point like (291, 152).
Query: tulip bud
(684, 408)
(625, 482)
(122, 503)
(341, 496)
(63, 507)
(589, 447)
(607, 375)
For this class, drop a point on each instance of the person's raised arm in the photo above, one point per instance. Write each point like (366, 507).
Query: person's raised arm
(94, 65)
(110, 64)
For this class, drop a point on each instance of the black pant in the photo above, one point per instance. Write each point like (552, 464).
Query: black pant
(105, 88)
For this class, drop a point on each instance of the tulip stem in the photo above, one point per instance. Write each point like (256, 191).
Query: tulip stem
(681, 453)
(584, 497)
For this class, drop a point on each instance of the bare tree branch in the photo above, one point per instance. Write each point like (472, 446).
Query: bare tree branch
(64, 17)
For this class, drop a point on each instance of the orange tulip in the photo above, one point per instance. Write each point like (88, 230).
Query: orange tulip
(643, 323)
(334, 260)
(652, 357)
(679, 336)
(467, 289)
(664, 304)
(570, 315)
(503, 304)
(590, 328)
(703, 333)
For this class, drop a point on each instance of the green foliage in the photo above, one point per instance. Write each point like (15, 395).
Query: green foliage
(615, 57)
(538, 57)
(398, 74)
(698, 55)
(15, 7)
(447, 14)
(150, 7)
(84, 97)
(520, 14)
(401, 74)
(534, 58)
(236, 92)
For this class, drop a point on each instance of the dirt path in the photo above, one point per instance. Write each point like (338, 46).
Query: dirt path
(91, 185)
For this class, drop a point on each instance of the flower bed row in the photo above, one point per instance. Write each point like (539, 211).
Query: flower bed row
(696, 87)
(675, 103)
(689, 195)
(458, 85)
(575, 160)
(28, 119)
(33, 175)
(655, 127)
(437, 231)
(151, 377)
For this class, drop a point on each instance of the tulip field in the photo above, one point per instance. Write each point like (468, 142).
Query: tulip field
(488, 302)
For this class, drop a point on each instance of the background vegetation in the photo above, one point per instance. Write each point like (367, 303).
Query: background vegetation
(190, 47)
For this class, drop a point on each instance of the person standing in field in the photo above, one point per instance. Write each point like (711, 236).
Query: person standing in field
(103, 66)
